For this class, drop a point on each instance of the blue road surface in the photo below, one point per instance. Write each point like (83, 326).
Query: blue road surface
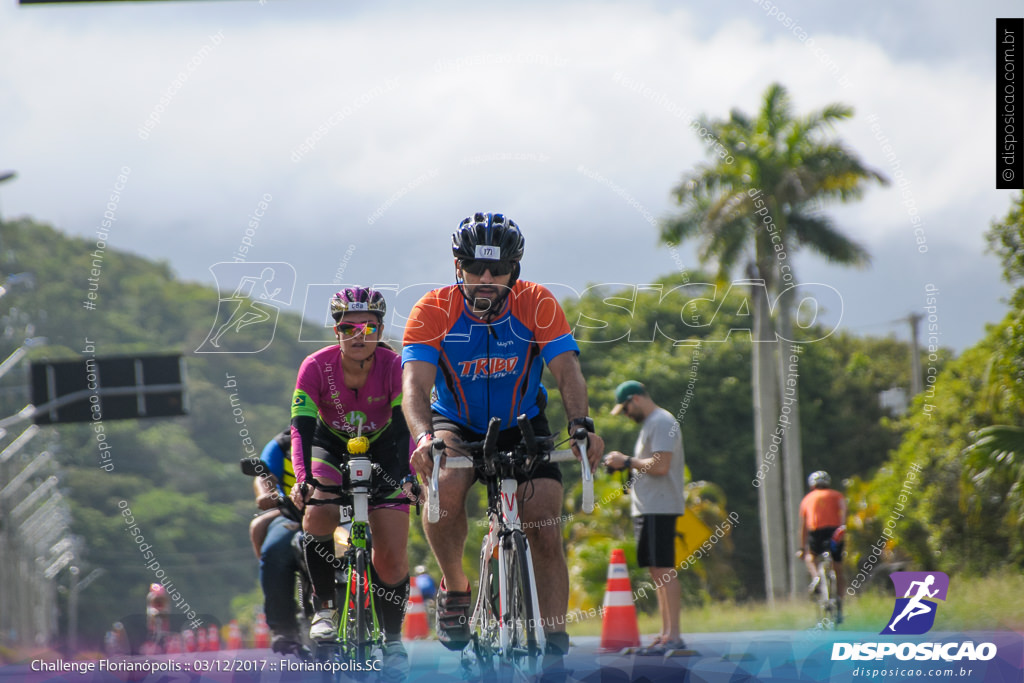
(777, 656)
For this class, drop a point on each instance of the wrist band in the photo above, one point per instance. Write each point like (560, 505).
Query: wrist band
(422, 436)
(585, 422)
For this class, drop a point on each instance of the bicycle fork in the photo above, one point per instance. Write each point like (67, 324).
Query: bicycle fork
(506, 553)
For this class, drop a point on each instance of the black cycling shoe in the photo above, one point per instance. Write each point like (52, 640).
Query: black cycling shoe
(453, 618)
(284, 645)
(553, 668)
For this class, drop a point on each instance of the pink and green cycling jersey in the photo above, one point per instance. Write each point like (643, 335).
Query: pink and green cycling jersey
(320, 393)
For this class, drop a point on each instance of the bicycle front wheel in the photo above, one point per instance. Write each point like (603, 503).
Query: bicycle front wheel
(357, 623)
(518, 613)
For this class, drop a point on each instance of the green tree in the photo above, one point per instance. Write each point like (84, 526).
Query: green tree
(632, 333)
(179, 476)
(758, 204)
(956, 514)
(995, 458)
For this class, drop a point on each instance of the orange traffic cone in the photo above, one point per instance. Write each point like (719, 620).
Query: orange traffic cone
(212, 639)
(415, 615)
(173, 646)
(619, 628)
(261, 632)
(201, 645)
(234, 636)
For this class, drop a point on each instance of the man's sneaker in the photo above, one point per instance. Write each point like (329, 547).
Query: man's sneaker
(325, 625)
(453, 618)
(662, 646)
(395, 662)
(288, 645)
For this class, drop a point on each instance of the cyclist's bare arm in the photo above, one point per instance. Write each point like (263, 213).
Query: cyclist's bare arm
(803, 531)
(265, 490)
(657, 464)
(569, 377)
(417, 381)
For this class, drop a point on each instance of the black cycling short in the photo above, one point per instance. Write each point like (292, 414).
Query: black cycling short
(819, 540)
(389, 468)
(507, 438)
(655, 540)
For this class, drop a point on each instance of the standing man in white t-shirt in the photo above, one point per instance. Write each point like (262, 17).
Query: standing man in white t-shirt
(656, 468)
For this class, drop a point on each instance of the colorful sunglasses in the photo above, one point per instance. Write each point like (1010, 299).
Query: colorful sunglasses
(479, 266)
(367, 329)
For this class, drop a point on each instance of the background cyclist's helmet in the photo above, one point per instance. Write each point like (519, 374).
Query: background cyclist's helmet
(358, 299)
(819, 479)
(157, 598)
(488, 236)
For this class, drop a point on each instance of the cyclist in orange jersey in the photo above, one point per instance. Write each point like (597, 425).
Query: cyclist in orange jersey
(822, 511)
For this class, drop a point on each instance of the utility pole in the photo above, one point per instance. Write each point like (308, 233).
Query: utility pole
(915, 356)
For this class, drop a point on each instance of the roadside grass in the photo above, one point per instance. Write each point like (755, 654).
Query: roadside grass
(990, 603)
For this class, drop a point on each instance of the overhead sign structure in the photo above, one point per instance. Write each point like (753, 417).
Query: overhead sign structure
(111, 388)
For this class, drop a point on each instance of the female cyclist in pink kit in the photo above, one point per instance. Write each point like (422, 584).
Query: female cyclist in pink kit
(349, 389)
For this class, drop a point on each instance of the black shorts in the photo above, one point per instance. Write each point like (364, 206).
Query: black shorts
(389, 467)
(819, 540)
(507, 438)
(655, 540)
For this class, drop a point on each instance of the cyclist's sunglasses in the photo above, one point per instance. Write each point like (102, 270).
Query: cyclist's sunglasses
(368, 329)
(497, 268)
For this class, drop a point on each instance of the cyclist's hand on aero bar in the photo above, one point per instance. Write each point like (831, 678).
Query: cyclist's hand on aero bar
(301, 492)
(595, 450)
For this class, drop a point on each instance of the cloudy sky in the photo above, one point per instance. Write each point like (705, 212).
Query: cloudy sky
(368, 130)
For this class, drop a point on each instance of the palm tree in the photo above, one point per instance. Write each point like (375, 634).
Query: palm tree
(995, 462)
(759, 202)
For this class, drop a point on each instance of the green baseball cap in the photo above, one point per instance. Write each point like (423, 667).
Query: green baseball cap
(626, 391)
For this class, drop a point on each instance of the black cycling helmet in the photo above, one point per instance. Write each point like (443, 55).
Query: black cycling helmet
(354, 299)
(488, 236)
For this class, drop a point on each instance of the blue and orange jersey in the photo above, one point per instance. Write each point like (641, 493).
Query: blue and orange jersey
(487, 369)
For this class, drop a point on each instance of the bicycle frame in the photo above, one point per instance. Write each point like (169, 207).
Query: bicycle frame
(504, 522)
(358, 584)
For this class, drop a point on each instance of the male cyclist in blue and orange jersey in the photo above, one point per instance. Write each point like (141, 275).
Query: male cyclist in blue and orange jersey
(349, 389)
(479, 346)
